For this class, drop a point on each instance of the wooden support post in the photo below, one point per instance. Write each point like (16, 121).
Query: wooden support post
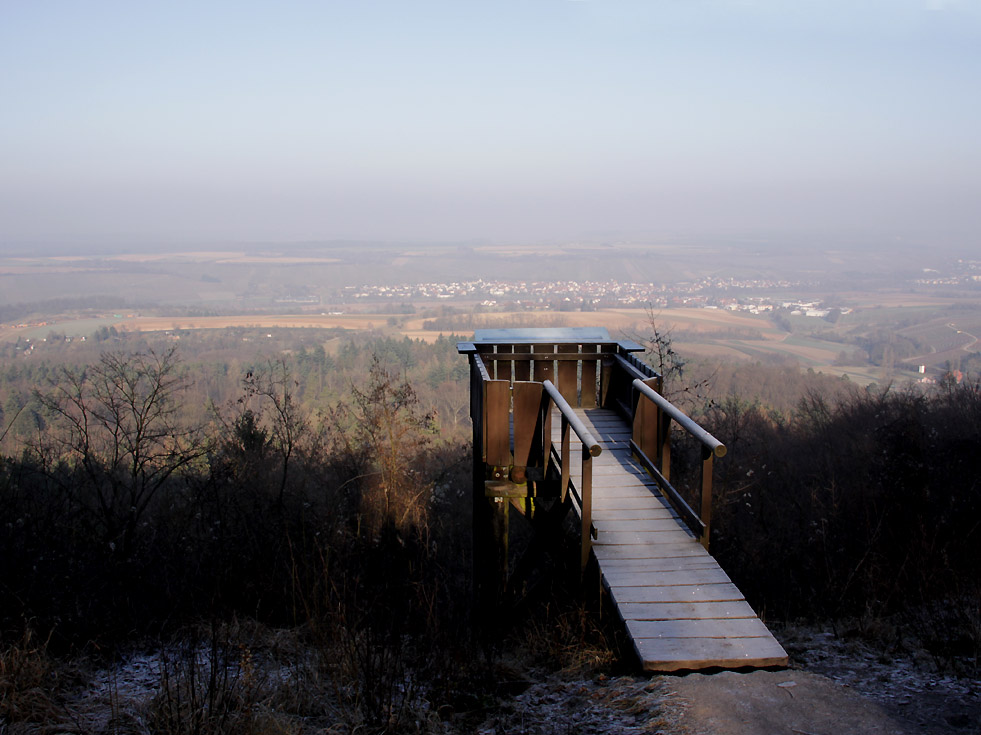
(586, 491)
(564, 454)
(708, 458)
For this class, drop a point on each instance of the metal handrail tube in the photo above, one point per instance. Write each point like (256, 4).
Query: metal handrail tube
(714, 445)
(588, 440)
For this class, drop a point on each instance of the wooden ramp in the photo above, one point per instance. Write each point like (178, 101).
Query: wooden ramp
(680, 609)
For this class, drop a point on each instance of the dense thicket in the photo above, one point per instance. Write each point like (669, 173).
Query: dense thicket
(325, 481)
(147, 490)
(862, 505)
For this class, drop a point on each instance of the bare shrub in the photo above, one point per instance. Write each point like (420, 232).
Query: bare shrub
(210, 687)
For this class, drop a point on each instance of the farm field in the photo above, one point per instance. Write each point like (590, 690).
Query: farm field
(712, 334)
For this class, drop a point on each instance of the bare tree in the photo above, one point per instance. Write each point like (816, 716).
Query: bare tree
(395, 435)
(275, 386)
(117, 426)
(662, 356)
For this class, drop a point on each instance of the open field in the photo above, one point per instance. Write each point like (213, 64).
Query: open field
(620, 322)
(713, 334)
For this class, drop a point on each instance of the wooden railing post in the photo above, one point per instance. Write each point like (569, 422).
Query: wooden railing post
(708, 458)
(564, 454)
(586, 506)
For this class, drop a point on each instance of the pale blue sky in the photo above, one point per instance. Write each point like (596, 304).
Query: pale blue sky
(538, 119)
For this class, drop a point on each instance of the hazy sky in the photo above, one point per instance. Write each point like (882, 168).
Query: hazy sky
(524, 120)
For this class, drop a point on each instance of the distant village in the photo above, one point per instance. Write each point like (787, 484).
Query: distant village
(709, 293)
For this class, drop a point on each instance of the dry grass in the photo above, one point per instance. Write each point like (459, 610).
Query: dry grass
(28, 677)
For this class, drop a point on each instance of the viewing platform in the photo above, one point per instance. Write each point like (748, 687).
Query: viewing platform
(570, 419)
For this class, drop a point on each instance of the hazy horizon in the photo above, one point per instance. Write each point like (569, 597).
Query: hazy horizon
(438, 122)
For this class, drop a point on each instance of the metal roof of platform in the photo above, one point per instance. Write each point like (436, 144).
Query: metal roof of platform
(558, 335)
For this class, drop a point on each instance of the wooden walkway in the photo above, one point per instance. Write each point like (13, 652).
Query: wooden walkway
(680, 609)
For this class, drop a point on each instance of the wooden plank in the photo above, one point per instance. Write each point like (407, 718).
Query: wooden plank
(666, 523)
(522, 368)
(634, 502)
(669, 564)
(614, 470)
(655, 578)
(640, 538)
(698, 628)
(677, 593)
(633, 490)
(649, 551)
(647, 513)
(730, 609)
(676, 654)
(568, 375)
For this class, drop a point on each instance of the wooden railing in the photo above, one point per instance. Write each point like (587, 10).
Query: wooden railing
(651, 444)
(563, 458)
(516, 387)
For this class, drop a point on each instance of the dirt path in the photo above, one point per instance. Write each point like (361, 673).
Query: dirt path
(774, 703)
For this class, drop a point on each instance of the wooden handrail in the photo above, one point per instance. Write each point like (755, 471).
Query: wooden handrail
(590, 448)
(700, 524)
(588, 440)
(684, 420)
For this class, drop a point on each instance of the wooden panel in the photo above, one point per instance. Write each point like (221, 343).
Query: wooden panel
(606, 378)
(587, 385)
(527, 399)
(497, 422)
(646, 426)
(731, 609)
(503, 366)
(522, 368)
(675, 654)
(568, 376)
(545, 369)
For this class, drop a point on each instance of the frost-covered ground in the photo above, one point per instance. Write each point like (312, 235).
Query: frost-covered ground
(909, 683)
(908, 686)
